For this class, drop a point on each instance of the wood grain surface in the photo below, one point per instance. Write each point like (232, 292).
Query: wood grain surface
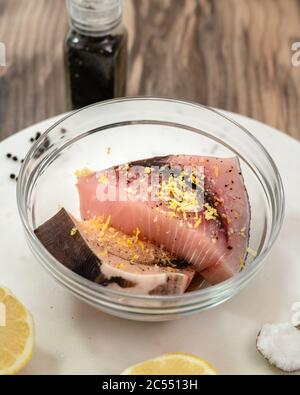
(231, 54)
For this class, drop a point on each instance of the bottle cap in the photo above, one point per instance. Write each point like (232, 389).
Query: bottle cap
(95, 16)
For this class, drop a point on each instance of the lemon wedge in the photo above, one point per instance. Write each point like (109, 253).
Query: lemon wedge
(16, 334)
(176, 363)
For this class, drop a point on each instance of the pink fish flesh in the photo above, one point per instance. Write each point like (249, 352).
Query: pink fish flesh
(213, 237)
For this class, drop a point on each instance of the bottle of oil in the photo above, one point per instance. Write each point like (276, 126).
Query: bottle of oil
(95, 52)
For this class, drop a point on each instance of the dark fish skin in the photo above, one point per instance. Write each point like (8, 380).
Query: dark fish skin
(154, 161)
(117, 280)
(71, 251)
(195, 283)
(176, 263)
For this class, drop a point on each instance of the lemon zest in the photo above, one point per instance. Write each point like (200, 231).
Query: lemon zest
(216, 171)
(73, 232)
(198, 223)
(84, 172)
(103, 179)
(136, 234)
(134, 258)
(210, 213)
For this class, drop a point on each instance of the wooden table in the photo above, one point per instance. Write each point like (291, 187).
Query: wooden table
(231, 54)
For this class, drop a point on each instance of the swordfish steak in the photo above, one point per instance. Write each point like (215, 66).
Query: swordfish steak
(103, 255)
(206, 225)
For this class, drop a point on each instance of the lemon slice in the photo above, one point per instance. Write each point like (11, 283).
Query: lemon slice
(173, 364)
(16, 334)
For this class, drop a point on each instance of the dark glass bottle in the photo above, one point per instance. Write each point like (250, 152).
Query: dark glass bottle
(95, 52)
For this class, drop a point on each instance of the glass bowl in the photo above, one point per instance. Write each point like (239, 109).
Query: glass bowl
(136, 128)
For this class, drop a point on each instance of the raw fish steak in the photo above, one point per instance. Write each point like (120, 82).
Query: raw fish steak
(200, 213)
(96, 251)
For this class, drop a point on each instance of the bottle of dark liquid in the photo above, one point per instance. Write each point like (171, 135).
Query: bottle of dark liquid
(95, 52)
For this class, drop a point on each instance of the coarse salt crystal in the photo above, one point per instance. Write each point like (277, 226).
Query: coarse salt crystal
(280, 345)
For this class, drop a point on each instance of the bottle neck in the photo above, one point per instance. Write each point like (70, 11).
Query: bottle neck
(95, 17)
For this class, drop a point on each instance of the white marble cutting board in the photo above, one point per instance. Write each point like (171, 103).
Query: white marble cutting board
(73, 338)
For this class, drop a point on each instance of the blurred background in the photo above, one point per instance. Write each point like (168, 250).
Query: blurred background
(231, 54)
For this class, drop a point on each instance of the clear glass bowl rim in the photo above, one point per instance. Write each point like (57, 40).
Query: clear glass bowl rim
(85, 285)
